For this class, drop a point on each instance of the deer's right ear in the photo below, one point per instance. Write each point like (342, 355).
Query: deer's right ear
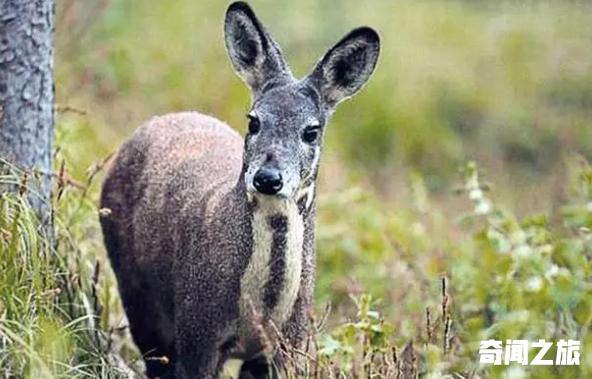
(255, 56)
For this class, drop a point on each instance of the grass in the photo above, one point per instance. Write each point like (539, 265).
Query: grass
(506, 85)
(506, 278)
(51, 303)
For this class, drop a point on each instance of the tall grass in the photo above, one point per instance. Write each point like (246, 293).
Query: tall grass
(50, 308)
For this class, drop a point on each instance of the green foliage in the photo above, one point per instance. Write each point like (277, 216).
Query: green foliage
(531, 278)
(362, 339)
(509, 278)
(32, 341)
(49, 295)
(507, 84)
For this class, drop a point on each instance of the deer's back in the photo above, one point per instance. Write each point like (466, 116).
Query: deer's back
(171, 163)
(173, 167)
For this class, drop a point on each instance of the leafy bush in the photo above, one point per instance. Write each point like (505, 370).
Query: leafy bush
(509, 278)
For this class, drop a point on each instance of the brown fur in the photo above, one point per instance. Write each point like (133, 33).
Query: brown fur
(175, 170)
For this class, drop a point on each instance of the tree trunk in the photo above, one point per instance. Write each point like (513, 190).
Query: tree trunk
(27, 93)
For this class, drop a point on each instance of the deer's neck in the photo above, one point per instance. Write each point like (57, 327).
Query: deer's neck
(270, 284)
(272, 279)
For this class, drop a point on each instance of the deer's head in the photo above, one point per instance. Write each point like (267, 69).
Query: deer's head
(288, 115)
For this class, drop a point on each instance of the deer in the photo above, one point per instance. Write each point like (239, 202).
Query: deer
(211, 235)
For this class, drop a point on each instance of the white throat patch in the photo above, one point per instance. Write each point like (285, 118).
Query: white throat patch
(258, 272)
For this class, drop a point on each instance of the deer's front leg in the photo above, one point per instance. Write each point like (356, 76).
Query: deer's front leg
(205, 313)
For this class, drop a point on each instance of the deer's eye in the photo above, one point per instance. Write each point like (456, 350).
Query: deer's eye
(311, 134)
(254, 124)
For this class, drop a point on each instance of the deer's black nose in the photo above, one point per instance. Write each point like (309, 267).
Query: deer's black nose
(268, 181)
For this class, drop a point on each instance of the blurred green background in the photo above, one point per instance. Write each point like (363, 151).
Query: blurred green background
(506, 84)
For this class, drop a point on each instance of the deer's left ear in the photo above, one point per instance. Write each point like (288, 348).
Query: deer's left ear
(347, 66)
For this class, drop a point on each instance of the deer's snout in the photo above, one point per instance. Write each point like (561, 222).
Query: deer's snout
(268, 181)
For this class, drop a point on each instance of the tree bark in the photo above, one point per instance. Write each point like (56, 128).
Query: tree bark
(27, 94)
